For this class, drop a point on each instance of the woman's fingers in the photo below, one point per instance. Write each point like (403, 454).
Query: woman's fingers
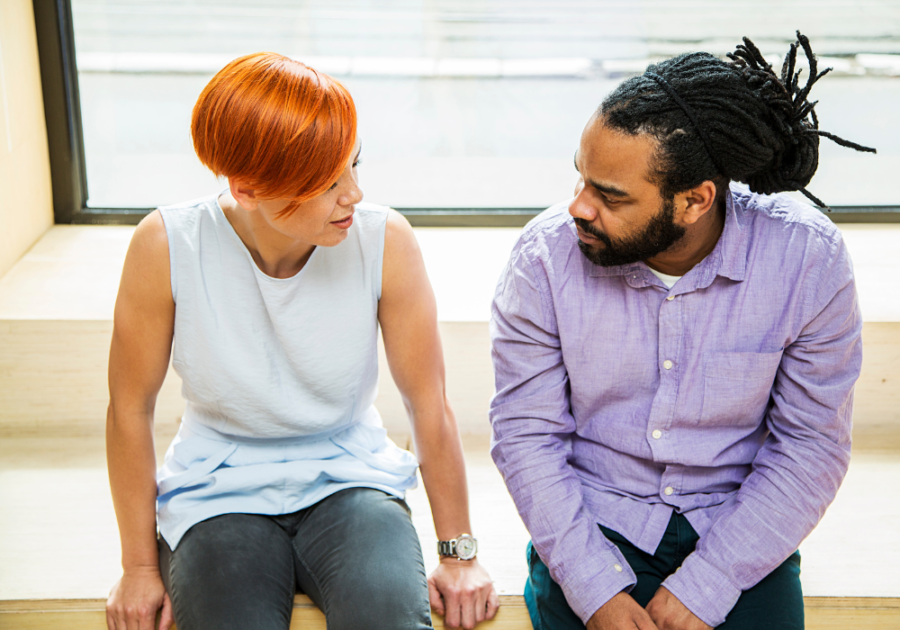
(167, 617)
(434, 598)
(467, 601)
(480, 604)
(493, 603)
(463, 593)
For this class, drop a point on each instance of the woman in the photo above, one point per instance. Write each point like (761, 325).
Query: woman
(270, 295)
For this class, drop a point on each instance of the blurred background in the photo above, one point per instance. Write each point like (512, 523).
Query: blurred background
(462, 103)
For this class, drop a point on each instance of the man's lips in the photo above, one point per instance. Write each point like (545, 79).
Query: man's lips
(584, 236)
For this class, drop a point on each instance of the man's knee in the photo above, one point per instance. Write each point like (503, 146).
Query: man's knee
(546, 602)
(775, 603)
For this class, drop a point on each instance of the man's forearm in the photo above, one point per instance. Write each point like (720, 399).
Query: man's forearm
(588, 567)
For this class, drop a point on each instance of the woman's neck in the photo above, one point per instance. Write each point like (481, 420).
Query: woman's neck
(275, 254)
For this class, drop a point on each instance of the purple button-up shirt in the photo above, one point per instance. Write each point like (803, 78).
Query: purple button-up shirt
(727, 399)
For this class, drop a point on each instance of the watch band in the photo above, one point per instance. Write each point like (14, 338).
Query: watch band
(446, 547)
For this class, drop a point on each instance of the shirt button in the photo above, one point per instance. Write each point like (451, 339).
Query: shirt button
(669, 491)
(667, 364)
(617, 567)
(657, 434)
(670, 298)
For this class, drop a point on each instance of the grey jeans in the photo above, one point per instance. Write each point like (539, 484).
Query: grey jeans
(355, 554)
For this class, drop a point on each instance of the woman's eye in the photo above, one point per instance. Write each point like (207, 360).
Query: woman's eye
(357, 163)
(333, 186)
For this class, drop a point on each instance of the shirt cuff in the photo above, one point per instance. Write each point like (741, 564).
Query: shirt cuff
(587, 591)
(706, 591)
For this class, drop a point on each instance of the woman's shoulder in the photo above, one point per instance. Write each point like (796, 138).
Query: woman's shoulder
(371, 216)
(189, 212)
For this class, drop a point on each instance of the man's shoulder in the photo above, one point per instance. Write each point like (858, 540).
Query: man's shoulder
(542, 237)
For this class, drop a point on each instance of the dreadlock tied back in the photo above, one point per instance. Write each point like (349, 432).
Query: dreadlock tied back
(726, 120)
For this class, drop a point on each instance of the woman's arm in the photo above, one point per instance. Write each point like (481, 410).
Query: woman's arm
(138, 360)
(460, 590)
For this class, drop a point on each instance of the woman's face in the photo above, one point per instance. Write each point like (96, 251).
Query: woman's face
(323, 220)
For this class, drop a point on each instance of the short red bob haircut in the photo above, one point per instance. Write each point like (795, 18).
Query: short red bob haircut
(284, 129)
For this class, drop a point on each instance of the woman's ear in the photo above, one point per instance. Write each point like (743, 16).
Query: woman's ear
(243, 194)
(697, 202)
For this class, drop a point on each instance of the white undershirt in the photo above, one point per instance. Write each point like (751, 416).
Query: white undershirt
(668, 280)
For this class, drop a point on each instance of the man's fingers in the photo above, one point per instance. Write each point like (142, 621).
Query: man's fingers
(645, 622)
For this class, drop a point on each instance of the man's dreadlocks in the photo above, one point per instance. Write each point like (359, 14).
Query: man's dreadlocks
(719, 120)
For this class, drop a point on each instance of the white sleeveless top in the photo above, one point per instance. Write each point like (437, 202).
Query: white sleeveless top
(279, 375)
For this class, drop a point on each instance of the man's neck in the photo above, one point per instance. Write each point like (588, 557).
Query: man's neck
(698, 242)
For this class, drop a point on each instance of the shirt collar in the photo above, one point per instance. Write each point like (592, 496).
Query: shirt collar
(728, 258)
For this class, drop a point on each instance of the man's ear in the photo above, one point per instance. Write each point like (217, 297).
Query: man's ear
(697, 202)
(243, 194)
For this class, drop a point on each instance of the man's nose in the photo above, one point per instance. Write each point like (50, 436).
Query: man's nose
(580, 208)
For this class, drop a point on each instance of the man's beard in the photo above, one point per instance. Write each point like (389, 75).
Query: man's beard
(656, 237)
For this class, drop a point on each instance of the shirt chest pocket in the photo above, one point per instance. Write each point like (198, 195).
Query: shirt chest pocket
(737, 387)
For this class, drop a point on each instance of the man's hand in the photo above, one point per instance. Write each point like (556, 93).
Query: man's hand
(670, 614)
(135, 600)
(462, 592)
(621, 613)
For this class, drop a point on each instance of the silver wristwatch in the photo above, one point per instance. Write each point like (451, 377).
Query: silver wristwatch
(463, 547)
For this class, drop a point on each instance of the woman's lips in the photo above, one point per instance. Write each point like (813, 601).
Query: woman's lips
(344, 223)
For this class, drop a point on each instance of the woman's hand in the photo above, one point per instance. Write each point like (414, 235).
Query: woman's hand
(135, 600)
(461, 592)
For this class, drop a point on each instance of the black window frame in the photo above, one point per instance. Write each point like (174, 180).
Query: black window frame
(65, 138)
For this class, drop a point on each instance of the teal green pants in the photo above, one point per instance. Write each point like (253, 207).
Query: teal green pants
(776, 603)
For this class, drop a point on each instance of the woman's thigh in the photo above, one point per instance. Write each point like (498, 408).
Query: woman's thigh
(231, 571)
(358, 558)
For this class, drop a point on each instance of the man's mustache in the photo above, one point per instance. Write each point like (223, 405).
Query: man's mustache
(589, 229)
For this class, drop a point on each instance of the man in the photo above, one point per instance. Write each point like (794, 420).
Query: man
(675, 357)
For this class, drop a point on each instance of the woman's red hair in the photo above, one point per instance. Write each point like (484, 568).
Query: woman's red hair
(282, 128)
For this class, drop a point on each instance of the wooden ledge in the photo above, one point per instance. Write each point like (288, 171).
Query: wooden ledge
(90, 614)
(822, 613)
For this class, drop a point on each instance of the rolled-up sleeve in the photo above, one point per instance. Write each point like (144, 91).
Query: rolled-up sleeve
(797, 472)
(532, 430)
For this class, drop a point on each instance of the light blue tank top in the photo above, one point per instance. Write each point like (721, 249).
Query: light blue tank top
(279, 375)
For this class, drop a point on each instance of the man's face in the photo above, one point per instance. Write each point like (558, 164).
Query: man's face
(618, 211)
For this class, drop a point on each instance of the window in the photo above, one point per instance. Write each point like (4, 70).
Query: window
(466, 108)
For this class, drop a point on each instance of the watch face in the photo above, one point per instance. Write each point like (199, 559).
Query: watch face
(466, 547)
